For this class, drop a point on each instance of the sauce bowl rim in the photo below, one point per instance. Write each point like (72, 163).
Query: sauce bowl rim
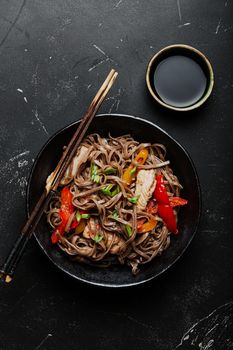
(152, 62)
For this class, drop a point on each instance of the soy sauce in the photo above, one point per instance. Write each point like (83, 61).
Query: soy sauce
(179, 81)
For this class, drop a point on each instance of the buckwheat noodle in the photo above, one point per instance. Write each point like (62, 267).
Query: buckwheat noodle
(115, 246)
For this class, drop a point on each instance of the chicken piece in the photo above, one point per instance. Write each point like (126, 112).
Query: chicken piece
(145, 187)
(91, 229)
(118, 244)
(71, 171)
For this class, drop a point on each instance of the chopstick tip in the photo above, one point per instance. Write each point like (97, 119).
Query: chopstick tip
(5, 278)
(8, 279)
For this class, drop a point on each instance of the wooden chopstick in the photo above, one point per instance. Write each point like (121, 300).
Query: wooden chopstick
(11, 262)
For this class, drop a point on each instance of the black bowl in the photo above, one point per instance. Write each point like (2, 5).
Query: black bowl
(143, 131)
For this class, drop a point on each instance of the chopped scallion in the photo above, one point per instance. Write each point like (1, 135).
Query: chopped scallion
(78, 216)
(110, 171)
(133, 200)
(94, 173)
(115, 214)
(107, 189)
(129, 230)
(110, 190)
(85, 216)
(133, 171)
(98, 238)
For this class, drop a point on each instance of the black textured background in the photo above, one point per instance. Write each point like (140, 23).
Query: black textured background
(53, 56)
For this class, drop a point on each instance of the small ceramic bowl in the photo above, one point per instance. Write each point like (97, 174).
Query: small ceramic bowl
(201, 63)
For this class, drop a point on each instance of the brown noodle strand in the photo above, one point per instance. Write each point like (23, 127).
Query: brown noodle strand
(115, 244)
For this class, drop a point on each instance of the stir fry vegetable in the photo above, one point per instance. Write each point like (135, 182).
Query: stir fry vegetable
(110, 190)
(66, 210)
(129, 230)
(98, 238)
(144, 227)
(110, 171)
(142, 156)
(133, 200)
(94, 173)
(176, 201)
(165, 210)
(130, 173)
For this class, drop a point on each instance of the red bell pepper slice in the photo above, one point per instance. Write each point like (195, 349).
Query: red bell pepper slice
(76, 222)
(176, 201)
(160, 193)
(165, 210)
(152, 207)
(66, 210)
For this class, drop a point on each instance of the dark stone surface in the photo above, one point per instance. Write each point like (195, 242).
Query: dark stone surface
(53, 56)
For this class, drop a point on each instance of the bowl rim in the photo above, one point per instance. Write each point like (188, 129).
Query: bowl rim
(100, 284)
(208, 65)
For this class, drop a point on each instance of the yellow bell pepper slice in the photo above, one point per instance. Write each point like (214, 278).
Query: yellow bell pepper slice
(130, 173)
(81, 226)
(148, 226)
(142, 156)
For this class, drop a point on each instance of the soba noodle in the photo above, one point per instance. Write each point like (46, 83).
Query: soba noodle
(106, 238)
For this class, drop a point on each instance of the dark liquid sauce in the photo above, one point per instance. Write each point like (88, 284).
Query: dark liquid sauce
(179, 81)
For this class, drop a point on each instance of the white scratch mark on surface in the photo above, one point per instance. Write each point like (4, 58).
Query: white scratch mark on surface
(118, 4)
(112, 106)
(22, 163)
(132, 319)
(19, 155)
(216, 325)
(20, 90)
(50, 57)
(22, 184)
(100, 50)
(192, 329)
(76, 77)
(179, 10)
(14, 177)
(107, 58)
(228, 28)
(218, 26)
(116, 101)
(226, 3)
(43, 341)
(98, 64)
(184, 25)
(66, 22)
(88, 86)
(25, 99)
(35, 78)
(100, 25)
(117, 106)
(36, 114)
(26, 50)
(12, 172)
